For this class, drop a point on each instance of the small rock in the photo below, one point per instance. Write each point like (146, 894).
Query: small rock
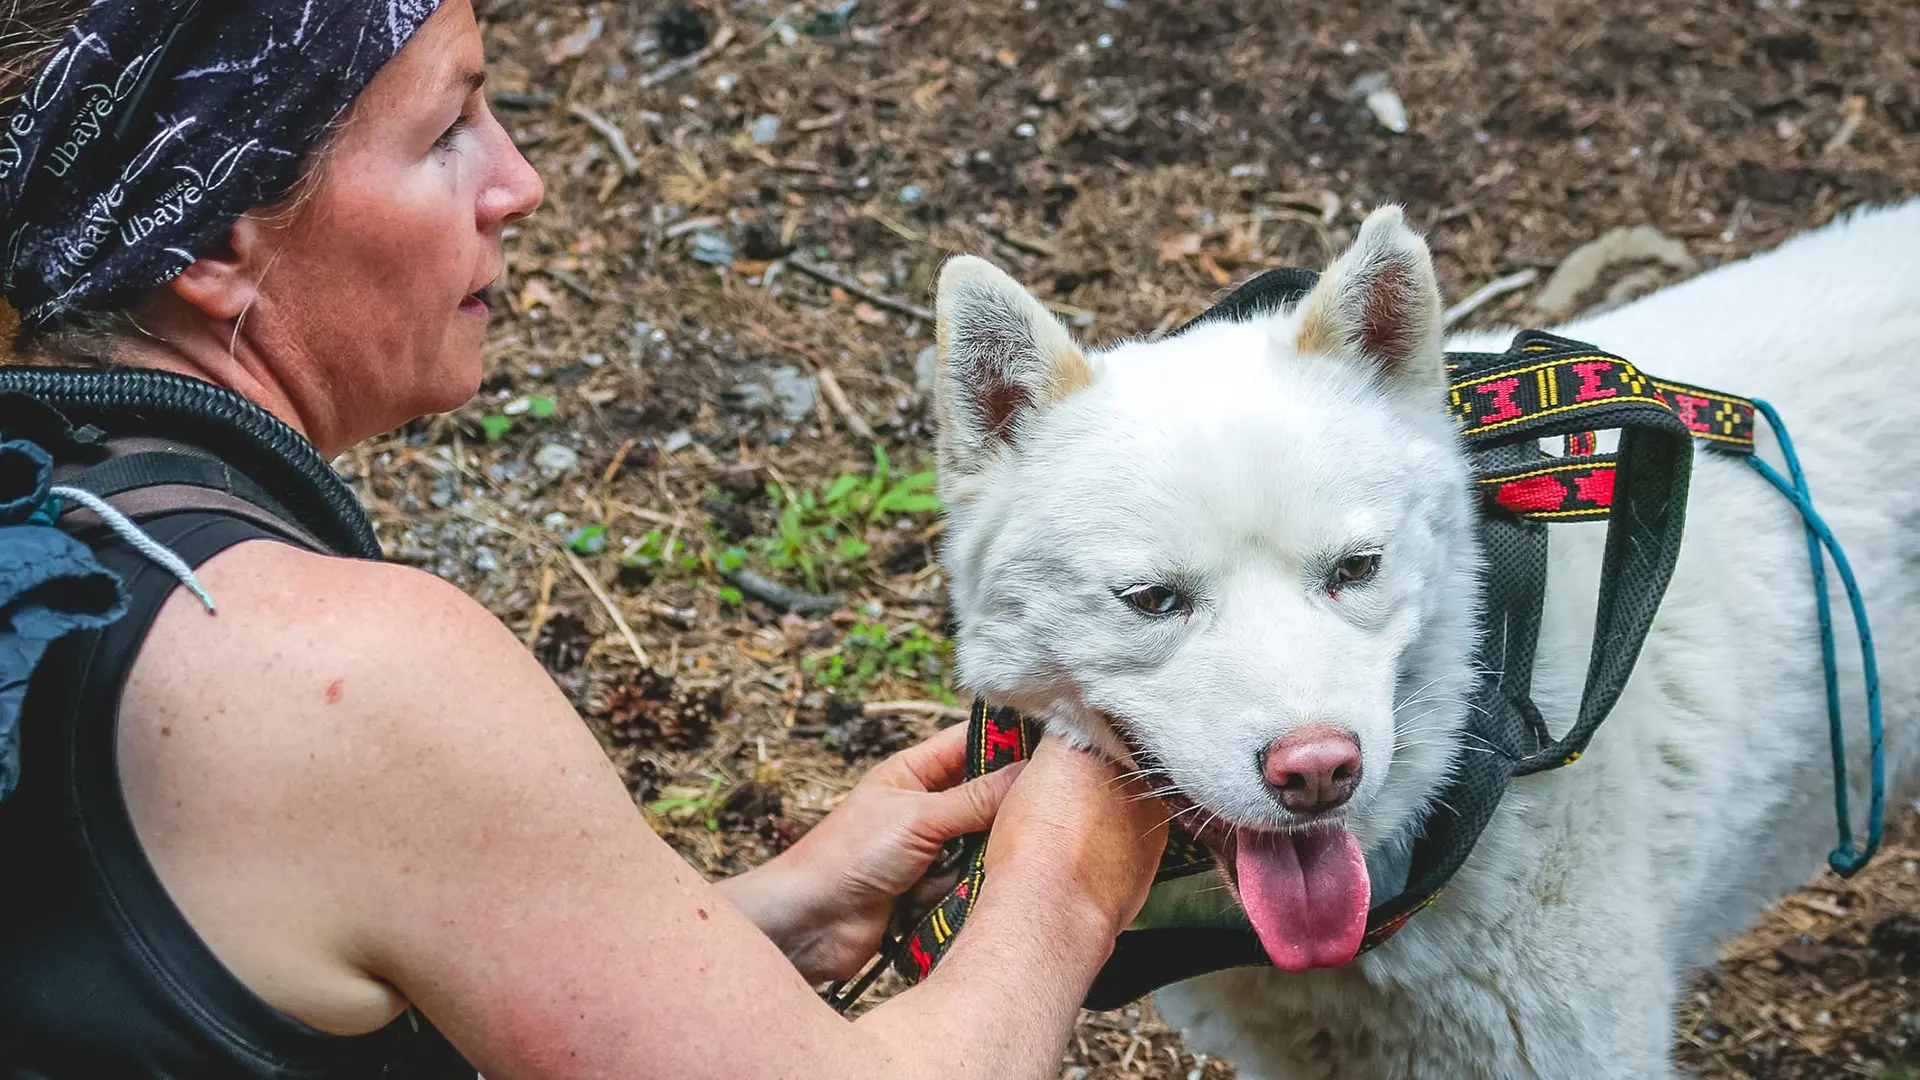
(556, 458)
(712, 247)
(912, 193)
(1388, 109)
(766, 128)
(795, 392)
(555, 520)
(486, 561)
(678, 441)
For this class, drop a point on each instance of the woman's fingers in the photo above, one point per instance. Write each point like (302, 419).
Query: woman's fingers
(968, 808)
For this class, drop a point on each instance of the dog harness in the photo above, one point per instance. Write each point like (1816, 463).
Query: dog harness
(1505, 403)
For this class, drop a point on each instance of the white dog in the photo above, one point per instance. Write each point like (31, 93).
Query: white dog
(1253, 545)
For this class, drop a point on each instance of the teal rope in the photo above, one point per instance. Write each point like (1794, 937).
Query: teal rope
(1845, 859)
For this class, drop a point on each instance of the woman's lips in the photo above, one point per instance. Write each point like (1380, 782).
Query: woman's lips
(475, 303)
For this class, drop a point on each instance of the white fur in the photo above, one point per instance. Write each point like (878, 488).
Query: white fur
(1227, 462)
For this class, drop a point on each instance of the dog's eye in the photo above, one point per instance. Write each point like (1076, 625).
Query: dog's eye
(1356, 568)
(1156, 600)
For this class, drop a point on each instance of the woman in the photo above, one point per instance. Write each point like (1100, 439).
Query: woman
(351, 799)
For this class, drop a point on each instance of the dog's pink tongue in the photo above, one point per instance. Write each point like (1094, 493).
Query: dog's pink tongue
(1306, 895)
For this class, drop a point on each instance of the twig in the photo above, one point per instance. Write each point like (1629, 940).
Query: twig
(599, 592)
(830, 387)
(681, 228)
(1498, 287)
(924, 708)
(543, 609)
(614, 136)
(1856, 107)
(681, 65)
(857, 289)
(1029, 244)
(573, 285)
(774, 594)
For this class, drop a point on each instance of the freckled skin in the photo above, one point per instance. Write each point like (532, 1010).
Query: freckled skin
(450, 836)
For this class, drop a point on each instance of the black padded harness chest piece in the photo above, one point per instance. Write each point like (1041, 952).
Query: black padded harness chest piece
(1542, 385)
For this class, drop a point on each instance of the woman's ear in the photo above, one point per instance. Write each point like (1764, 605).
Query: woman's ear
(224, 278)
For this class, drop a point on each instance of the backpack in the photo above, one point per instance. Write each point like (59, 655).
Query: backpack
(85, 455)
(65, 482)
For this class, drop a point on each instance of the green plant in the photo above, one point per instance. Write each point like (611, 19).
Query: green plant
(493, 427)
(652, 551)
(870, 651)
(822, 529)
(704, 807)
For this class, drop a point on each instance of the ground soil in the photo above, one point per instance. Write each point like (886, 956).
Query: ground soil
(1127, 159)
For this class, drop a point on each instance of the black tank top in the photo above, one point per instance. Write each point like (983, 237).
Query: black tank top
(101, 977)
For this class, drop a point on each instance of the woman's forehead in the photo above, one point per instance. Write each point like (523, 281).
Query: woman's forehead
(445, 58)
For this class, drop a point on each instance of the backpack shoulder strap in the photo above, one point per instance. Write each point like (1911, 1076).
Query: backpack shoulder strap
(146, 478)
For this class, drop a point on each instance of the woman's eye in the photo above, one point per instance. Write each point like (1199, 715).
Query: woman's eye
(1356, 568)
(1156, 600)
(447, 137)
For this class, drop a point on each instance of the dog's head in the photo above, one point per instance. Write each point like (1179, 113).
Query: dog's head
(1243, 553)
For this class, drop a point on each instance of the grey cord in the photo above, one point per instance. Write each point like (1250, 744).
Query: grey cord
(125, 529)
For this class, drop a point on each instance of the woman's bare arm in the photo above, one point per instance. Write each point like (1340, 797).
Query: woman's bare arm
(354, 778)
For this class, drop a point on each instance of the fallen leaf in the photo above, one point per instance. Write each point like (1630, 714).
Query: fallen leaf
(926, 96)
(869, 314)
(536, 293)
(1177, 246)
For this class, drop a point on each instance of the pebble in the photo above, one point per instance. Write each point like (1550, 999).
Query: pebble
(766, 128)
(712, 247)
(486, 561)
(795, 392)
(678, 441)
(556, 458)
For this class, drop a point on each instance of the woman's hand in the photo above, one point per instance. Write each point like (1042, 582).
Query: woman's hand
(1083, 832)
(826, 900)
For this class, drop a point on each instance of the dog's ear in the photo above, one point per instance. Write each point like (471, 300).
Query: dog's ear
(1003, 357)
(1379, 303)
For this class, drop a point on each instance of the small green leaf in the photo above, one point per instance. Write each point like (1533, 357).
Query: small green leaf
(731, 596)
(840, 488)
(495, 426)
(852, 547)
(588, 540)
(906, 502)
(541, 407)
(732, 559)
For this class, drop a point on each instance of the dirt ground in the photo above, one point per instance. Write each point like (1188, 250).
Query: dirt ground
(720, 313)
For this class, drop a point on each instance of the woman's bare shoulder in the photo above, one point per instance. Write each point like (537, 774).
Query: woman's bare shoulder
(354, 777)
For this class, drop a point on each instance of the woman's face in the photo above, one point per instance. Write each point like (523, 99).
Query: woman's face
(374, 287)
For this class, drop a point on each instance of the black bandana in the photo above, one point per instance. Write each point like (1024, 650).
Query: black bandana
(158, 123)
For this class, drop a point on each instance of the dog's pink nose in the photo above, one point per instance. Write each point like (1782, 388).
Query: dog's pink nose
(1313, 769)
